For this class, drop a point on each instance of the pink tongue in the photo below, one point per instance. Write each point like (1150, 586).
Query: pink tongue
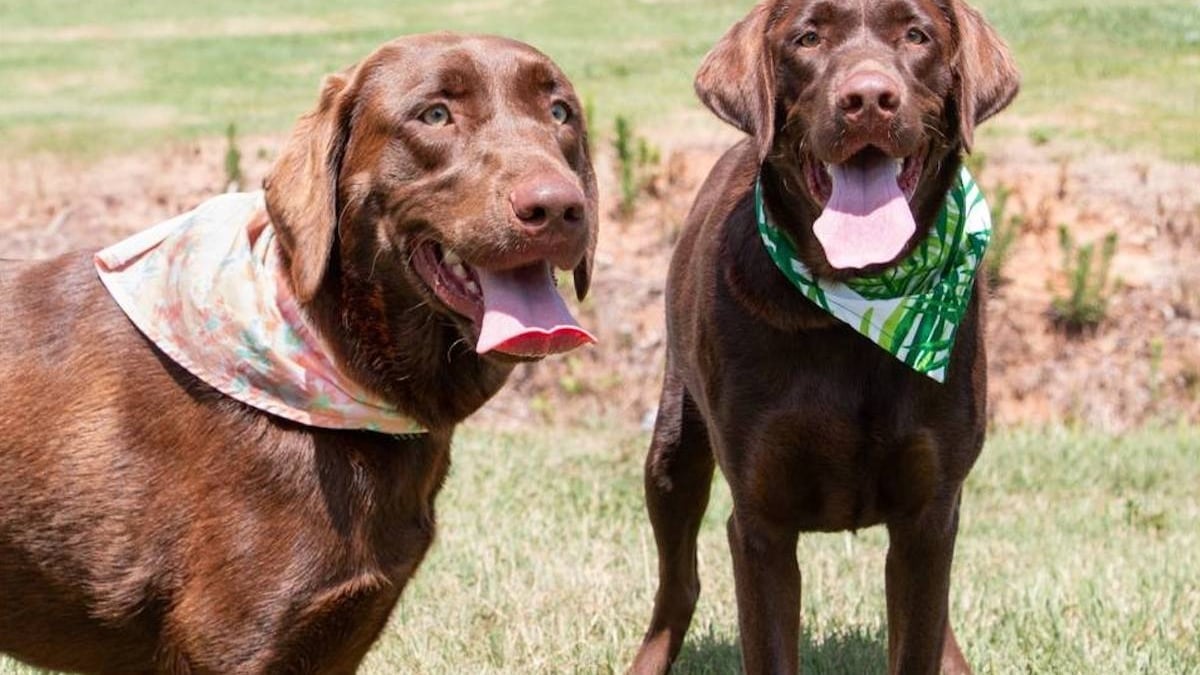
(867, 220)
(524, 315)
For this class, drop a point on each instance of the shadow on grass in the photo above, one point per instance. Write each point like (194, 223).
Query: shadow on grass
(850, 651)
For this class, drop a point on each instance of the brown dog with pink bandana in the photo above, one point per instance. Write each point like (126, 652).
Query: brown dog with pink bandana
(199, 483)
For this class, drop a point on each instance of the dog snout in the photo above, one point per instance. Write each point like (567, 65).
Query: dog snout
(868, 97)
(548, 202)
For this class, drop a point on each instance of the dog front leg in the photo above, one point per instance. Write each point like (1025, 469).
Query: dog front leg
(767, 580)
(920, 552)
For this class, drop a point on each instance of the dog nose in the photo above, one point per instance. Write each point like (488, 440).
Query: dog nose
(867, 94)
(547, 200)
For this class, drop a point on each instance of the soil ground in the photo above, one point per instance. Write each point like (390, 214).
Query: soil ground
(1142, 363)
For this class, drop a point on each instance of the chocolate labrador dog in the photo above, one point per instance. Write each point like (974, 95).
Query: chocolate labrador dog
(151, 523)
(857, 114)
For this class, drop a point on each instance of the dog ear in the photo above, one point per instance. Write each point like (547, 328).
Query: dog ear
(985, 73)
(737, 78)
(301, 187)
(583, 271)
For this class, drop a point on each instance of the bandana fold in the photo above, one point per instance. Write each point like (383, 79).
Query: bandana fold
(208, 288)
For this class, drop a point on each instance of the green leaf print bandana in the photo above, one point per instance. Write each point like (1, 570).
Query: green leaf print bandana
(913, 309)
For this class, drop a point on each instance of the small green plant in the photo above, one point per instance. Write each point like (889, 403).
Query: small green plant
(648, 155)
(623, 146)
(1040, 136)
(1086, 302)
(1156, 361)
(636, 160)
(233, 160)
(1005, 229)
(1138, 518)
(589, 114)
(573, 381)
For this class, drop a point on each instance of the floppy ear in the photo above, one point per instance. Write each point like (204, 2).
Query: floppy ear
(737, 78)
(583, 271)
(986, 75)
(587, 175)
(301, 188)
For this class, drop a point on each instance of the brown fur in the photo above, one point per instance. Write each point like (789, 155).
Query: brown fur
(814, 427)
(149, 523)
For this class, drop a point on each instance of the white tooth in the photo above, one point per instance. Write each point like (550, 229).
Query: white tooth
(828, 171)
(473, 287)
(899, 166)
(451, 258)
(458, 270)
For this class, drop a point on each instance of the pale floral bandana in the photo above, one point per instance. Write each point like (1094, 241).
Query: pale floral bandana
(912, 310)
(208, 288)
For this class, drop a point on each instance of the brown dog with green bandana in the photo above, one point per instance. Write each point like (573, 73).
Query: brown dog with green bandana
(826, 327)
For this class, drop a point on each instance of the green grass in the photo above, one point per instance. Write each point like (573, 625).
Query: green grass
(84, 78)
(107, 75)
(1078, 553)
(1120, 74)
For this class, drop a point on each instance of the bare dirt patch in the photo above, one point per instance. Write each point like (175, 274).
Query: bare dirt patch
(1142, 363)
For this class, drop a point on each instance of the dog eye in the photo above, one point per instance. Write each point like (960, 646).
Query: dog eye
(916, 36)
(809, 39)
(436, 116)
(560, 112)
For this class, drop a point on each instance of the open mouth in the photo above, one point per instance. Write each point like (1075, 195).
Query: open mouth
(907, 170)
(517, 312)
(866, 218)
(451, 280)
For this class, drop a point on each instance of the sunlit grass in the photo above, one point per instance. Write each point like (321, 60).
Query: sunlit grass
(110, 75)
(1078, 553)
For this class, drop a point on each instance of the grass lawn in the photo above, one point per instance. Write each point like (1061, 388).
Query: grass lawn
(1077, 554)
(112, 75)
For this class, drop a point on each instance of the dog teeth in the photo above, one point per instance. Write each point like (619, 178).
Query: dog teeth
(899, 166)
(451, 259)
(458, 270)
(473, 287)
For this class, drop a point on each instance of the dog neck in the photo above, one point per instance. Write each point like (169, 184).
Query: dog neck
(389, 339)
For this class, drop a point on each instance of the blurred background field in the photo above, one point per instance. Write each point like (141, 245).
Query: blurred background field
(117, 74)
(1079, 551)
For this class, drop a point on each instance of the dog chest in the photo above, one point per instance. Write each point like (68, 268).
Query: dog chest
(828, 433)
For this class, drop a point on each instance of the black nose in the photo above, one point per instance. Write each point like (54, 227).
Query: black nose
(547, 200)
(869, 95)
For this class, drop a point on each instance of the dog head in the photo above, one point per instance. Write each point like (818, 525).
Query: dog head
(442, 180)
(862, 108)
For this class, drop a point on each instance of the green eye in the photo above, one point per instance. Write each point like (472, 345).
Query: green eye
(916, 36)
(809, 39)
(560, 112)
(436, 116)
